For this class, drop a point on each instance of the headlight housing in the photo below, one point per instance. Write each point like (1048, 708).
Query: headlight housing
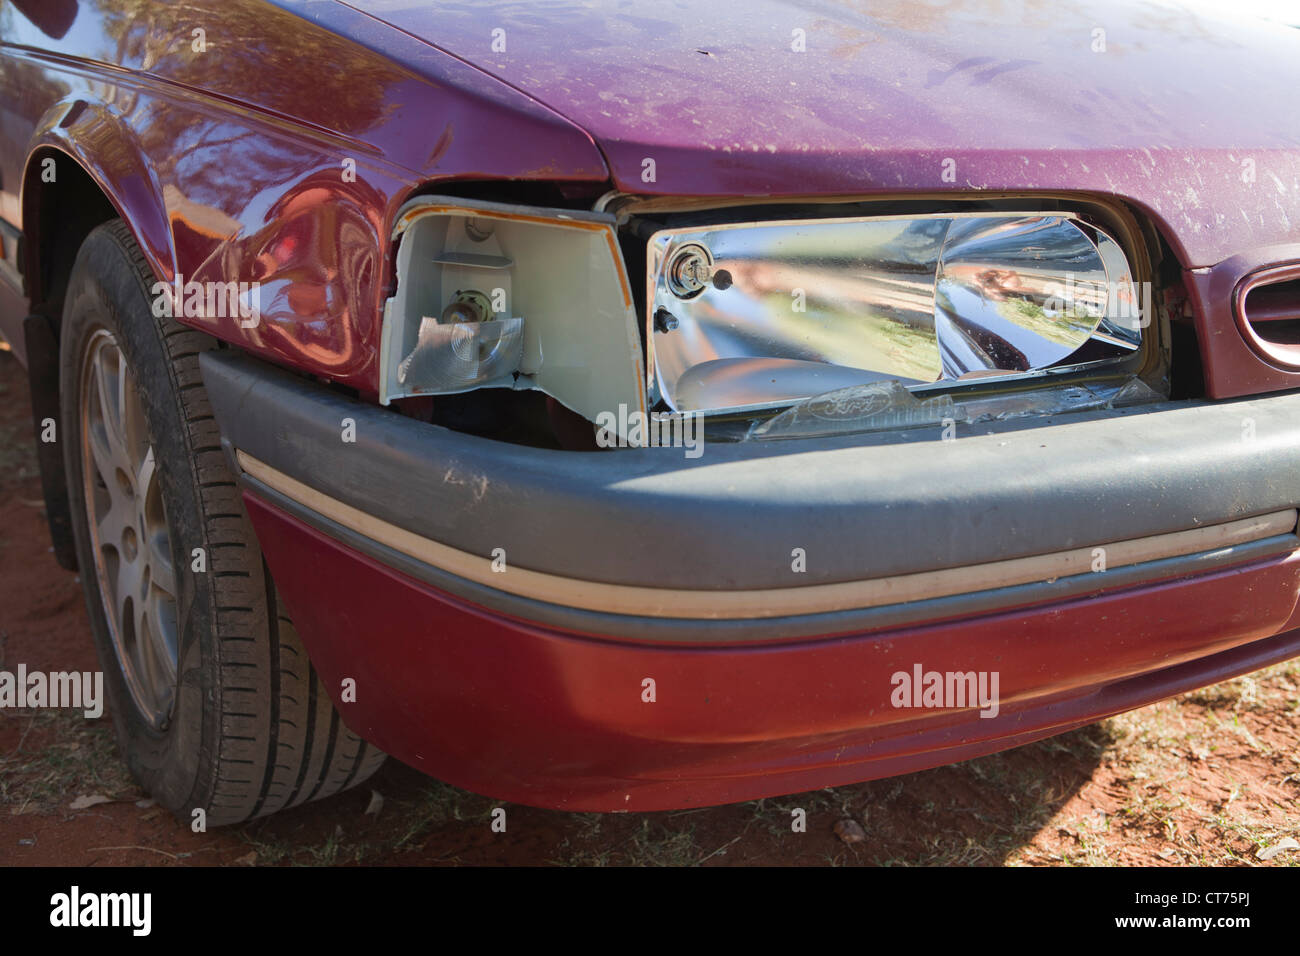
(756, 315)
(491, 295)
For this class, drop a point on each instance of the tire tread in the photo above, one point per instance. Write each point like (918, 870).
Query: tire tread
(281, 742)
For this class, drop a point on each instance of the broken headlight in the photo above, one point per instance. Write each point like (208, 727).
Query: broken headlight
(757, 315)
(497, 296)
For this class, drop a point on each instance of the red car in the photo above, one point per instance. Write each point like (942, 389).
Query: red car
(628, 406)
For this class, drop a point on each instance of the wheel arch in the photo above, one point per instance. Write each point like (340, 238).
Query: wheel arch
(83, 169)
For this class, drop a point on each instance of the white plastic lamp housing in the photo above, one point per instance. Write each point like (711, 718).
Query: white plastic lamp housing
(563, 317)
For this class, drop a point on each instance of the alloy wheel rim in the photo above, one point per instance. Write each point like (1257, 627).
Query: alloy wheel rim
(130, 537)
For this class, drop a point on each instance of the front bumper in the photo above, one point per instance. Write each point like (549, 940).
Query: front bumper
(382, 549)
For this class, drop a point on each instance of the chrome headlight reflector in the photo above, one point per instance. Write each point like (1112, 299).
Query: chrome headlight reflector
(755, 315)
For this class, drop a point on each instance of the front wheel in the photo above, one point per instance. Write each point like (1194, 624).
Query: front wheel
(214, 703)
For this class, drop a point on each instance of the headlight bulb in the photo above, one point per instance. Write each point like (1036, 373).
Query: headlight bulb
(467, 306)
(689, 270)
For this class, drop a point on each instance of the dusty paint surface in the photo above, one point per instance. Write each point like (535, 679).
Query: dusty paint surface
(1163, 106)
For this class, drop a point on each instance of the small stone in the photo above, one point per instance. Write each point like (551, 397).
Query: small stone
(88, 800)
(850, 831)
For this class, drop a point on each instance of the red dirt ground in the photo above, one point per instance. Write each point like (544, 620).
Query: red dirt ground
(1212, 777)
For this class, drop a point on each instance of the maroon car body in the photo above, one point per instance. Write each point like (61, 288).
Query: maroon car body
(219, 138)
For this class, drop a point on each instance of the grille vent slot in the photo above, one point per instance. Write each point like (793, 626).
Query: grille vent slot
(1268, 311)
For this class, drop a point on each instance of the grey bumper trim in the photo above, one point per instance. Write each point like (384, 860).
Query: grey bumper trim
(791, 601)
(722, 631)
(863, 508)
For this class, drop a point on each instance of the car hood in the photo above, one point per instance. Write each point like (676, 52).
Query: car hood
(1193, 118)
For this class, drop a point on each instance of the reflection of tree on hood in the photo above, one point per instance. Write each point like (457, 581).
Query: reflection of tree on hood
(312, 75)
(52, 17)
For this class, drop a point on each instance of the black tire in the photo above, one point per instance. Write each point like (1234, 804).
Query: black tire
(247, 729)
